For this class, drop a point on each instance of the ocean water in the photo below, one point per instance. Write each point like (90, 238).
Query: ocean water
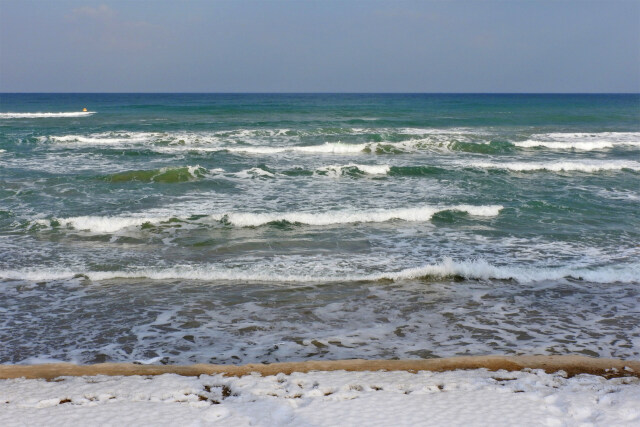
(182, 228)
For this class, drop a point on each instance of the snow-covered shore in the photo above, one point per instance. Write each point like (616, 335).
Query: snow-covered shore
(338, 398)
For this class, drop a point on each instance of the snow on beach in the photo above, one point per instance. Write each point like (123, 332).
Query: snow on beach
(471, 397)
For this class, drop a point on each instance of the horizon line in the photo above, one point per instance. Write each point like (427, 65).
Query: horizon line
(316, 93)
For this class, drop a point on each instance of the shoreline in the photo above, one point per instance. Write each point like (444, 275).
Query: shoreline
(571, 364)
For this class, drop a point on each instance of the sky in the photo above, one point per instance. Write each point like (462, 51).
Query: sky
(320, 46)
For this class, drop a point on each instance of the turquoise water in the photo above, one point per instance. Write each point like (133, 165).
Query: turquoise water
(168, 228)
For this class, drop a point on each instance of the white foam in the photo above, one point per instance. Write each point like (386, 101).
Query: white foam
(254, 173)
(558, 145)
(469, 269)
(45, 115)
(194, 171)
(435, 131)
(106, 138)
(102, 224)
(582, 141)
(480, 269)
(328, 147)
(334, 147)
(216, 141)
(110, 224)
(252, 141)
(561, 166)
(338, 170)
(423, 213)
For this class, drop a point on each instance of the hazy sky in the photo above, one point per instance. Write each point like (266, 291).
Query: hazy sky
(320, 46)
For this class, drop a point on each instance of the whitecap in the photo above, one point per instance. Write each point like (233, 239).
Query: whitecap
(582, 141)
(328, 147)
(111, 224)
(105, 138)
(560, 166)
(255, 173)
(448, 268)
(338, 170)
(100, 224)
(415, 214)
(10, 115)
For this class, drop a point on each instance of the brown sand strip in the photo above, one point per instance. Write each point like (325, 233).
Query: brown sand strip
(572, 365)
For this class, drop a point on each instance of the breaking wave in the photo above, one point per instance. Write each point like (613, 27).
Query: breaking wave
(328, 147)
(353, 169)
(424, 213)
(110, 224)
(582, 141)
(106, 138)
(101, 224)
(377, 141)
(448, 268)
(261, 142)
(192, 173)
(560, 166)
(164, 175)
(45, 115)
(257, 172)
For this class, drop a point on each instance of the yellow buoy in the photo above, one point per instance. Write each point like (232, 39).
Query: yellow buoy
(84, 109)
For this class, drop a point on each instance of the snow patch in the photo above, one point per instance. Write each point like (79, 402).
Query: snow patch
(475, 397)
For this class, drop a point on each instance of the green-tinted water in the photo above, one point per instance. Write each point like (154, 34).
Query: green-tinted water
(282, 227)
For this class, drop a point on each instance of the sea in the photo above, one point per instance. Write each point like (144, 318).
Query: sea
(258, 228)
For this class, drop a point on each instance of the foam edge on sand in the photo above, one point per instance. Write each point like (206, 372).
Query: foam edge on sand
(572, 365)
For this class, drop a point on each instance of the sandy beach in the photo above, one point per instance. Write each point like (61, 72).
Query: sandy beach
(571, 365)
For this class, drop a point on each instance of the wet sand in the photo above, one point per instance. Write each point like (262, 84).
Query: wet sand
(572, 365)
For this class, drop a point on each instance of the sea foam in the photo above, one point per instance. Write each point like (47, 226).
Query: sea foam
(252, 141)
(255, 173)
(106, 138)
(338, 170)
(481, 269)
(415, 214)
(328, 147)
(582, 141)
(560, 166)
(110, 224)
(45, 115)
(448, 268)
(101, 224)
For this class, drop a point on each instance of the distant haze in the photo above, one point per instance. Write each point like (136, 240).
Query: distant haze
(319, 46)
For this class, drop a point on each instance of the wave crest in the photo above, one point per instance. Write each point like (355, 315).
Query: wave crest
(417, 214)
(448, 268)
(246, 141)
(353, 169)
(45, 115)
(327, 148)
(561, 166)
(111, 224)
(101, 224)
(582, 141)
(164, 175)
